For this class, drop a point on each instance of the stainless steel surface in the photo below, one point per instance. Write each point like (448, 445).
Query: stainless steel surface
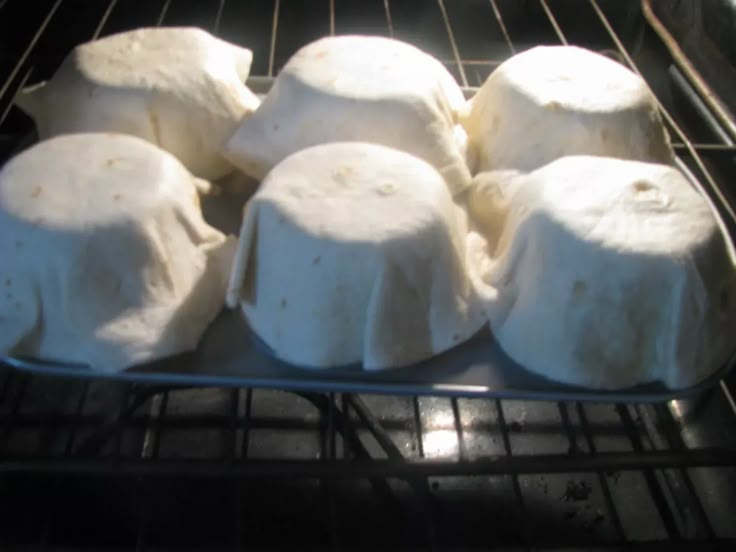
(116, 466)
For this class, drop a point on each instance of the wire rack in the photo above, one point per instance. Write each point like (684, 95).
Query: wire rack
(132, 467)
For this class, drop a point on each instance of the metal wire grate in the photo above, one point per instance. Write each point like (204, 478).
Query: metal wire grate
(146, 468)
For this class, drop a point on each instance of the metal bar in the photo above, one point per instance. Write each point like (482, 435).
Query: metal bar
(345, 408)
(152, 440)
(729, 396)
(150, 453)
(353, 441)
(453, 44)
(684, 503)
(724, 148)
(725, 117)
(553, 21)
(332, 17)
(692, 96)
(164, 11)
(607, 496)
(327, 485)
(655, 489)
(382, 468)
(675, 441)
(501, 24)
(218, 17)
(461, 453)
(107, 430)
(374, 426)
(420, 485)
(418, 426)
(668, 117)
(125, 402)
(231, 451)
(103, 19)
(512, 460)
(573, 447)
(247, 422)
(29, 48)
(21, 84)
(274, 31)
(240, 487)
(389, 21)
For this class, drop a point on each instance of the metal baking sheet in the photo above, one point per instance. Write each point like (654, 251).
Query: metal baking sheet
(230, 355)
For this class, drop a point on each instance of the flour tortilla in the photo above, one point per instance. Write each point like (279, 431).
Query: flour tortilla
(179, 88)
(354, 253)
(358, 88)
(106, 258)
(608, 273)
(553, 101)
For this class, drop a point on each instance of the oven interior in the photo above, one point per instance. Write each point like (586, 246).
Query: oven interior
(118, 466)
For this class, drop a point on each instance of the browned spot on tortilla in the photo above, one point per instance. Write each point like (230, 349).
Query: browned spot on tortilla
(155, 126)
(605, 135)
(642, 186)
(36, 191)
(116, 197)
(110, 162)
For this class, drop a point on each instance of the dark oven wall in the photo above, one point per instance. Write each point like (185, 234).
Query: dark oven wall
(118, 466)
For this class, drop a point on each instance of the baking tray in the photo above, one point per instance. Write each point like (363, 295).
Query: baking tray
(230, 355)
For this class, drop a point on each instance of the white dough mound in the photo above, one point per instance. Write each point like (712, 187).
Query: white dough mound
(106, 260)
(358, 88)
(553, 101)
(354, 252)
(179, 88)
(609, 273)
